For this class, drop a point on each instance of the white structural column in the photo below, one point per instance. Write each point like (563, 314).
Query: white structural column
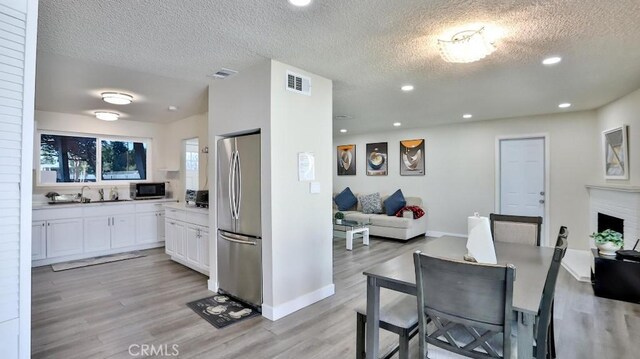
(18, 26)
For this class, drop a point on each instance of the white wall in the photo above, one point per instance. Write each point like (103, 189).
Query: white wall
(296, 234)
(624, 111)
(460, 166)
(238, 105)
(173, 149)
(301, 227)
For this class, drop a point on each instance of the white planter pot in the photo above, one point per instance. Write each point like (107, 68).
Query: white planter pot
(338, 221)
(607, 248)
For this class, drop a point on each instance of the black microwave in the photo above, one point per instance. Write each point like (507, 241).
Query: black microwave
(147, 190)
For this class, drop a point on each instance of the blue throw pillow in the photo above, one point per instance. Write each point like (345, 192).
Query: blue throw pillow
(345, 200)
(394, 203)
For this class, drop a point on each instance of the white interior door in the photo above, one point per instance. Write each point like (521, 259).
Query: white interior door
(522, 177)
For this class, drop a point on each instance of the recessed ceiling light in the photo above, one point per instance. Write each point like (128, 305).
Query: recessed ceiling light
(173, 108)
(564, 105)
(467, 115)
(117, 98)
(397, 124)
(107, 116)
(344, 130)
(407, 88)
(551, 60)
(299, 2)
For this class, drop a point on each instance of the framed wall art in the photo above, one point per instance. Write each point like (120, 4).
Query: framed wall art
(377, 157)
(412, 158)
(616, 150)
(347, 160)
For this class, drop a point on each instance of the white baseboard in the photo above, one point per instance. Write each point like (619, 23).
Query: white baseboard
(282, 310)
(578, 264)
(212, 285)
(438, 234)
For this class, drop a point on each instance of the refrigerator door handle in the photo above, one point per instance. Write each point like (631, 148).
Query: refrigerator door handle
(236, 240)
(239, 188)
(232, 199)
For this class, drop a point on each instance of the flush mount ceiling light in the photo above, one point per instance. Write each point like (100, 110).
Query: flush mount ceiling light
(300, 2)
(407, 88)
(117, 98)
(107, 116)
(344, 130)
(564, 105)
(551, 60)
(467, 115)
(397, 124)
(466, 46)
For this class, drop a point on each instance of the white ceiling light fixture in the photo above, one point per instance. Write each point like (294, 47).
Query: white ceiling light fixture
(107, 116)
(300, 3)
(552, 60)
(407, 88)
(564, 105)
(467, 115)
(117, 98)
(344, 130)
(466, 46)
(397, 124)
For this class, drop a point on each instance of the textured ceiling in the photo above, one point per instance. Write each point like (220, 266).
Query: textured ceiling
(370, 48)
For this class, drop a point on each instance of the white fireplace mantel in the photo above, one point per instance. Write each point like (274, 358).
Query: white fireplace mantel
(614, 188)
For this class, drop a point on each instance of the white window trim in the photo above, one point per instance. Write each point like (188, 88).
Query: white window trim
(99, 138)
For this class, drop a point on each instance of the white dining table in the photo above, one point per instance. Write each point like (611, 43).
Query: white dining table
(532, 265)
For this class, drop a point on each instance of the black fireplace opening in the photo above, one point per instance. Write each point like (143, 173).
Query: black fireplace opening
(606, 221)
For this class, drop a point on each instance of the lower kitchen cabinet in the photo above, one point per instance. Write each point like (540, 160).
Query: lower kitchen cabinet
(38, 240)
(64, 237)
(187, 237)
(64, 233)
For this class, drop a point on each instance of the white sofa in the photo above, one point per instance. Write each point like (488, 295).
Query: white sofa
(382, 225)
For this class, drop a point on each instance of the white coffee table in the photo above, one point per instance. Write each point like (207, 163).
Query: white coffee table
(351, 229)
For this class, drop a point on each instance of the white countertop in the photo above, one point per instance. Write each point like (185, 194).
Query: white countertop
(184, 207)
(37, 206)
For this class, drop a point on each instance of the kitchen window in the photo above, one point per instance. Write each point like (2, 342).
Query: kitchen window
(76, 158)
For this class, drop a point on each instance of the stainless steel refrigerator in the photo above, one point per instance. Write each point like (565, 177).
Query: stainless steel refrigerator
(239, 218)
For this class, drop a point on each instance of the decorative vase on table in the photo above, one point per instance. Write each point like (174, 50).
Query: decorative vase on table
(608, 242)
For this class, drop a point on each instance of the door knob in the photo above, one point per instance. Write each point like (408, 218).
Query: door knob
(542, 193)
(541, 201)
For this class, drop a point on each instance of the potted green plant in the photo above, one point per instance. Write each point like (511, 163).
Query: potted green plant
(339, 216)
(608, 242)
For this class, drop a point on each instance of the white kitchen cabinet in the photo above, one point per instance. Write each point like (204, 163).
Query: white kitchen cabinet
(203, 247)
(123, 231)
(187, 236)
(191, 240)
(64, 237)
(150, 227)
(97, 233)
(38, 240)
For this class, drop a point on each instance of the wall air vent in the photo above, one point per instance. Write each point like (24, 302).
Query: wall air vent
(299, 84)
(223, 73)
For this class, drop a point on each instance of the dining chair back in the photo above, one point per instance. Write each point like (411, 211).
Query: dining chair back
(545, 340)
(469, 304)
(516, 229)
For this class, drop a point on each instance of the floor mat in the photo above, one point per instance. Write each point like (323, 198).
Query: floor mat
(95, 261)
(222, 310)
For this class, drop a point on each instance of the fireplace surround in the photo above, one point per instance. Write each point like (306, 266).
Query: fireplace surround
(617, 206)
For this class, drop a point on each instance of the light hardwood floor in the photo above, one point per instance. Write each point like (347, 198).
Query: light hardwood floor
(99, 311)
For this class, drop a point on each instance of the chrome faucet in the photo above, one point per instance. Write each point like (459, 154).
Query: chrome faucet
(101, 193)
(83, 199)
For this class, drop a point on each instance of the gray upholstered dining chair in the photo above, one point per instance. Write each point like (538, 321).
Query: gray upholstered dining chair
(516, 229)
(397, 315)
(545, 328)
(469, 305)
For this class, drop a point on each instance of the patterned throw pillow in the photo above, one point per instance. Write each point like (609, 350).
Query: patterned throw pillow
(371, 203)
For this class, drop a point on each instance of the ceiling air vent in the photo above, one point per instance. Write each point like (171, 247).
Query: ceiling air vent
(298, 83)
(223, 73)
